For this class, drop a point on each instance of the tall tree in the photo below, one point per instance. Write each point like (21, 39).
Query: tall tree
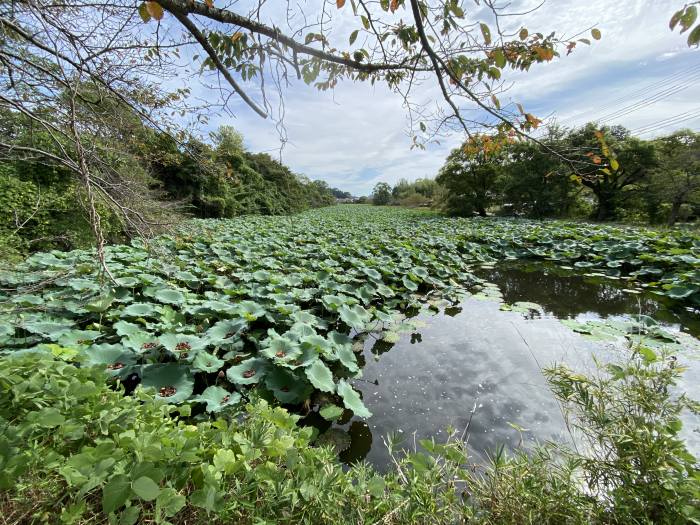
(618, 162)
(471, 175)
(677, 179)
(381, 194)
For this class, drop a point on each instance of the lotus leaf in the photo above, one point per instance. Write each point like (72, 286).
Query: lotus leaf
(172, 382)
(217, 398)
(248, 372)
(351, 399)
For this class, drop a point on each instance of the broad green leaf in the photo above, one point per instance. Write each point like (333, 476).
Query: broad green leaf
(351, 399)
(145, 488)
(331, 412)
(320, 376)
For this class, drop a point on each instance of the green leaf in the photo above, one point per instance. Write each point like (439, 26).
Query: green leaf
(248, 372)
(499, 58)
(694, 37)
(320, 376)
(115, 493)
(356, 317)
(347, 357)
(170, 502)
(143, 12)
(130, 515)
(376, 486)
(351, 399)
(409, 284)
(226, 460)
(172, 382)
(206, 362)
(50, 418)
(486, 32)
(287, 386)
(331, 412)
(100, 304)
(170, 296)
(145, 488)
(140, 310)
(595, 33)
(353, 36)
(217, 398)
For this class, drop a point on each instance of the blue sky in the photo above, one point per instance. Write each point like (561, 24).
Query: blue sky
(356, 135)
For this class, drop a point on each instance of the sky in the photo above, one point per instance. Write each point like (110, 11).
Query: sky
(640, 75)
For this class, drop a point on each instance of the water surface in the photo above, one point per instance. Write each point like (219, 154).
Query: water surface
(478, 369)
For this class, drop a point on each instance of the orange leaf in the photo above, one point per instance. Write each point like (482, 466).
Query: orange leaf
(210, 3)
(339, 3)
(155, 10)
(394, 5)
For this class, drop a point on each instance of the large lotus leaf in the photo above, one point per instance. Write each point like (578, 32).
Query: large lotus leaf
(182, 343)
(100, 304)
(287, 386)
(681, 291)
(321, 345)
(169, 296)
(248, 372)
(335, 438)
(250, 310)
(300, 330)
(331, 412)
(320, 376)
(28, 300)
(186, 276)
(82, 285)
(366, 293)
(52, 329)
(339, 338)
(206, 362)
(217, 398)
(114, 359)
(226, 331)
(409, 284)
(356, 317)
(302, 316)
(384, 290)
(141, 342)
(372, 274)
(141, 310)
(211, 306)
(347, 357)
(127, 282)
(308, 355)
(172, 382)
(78, 337)
(281, 348)
(351, 399)
(334, 302)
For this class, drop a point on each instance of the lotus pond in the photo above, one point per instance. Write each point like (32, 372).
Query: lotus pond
(304, 311)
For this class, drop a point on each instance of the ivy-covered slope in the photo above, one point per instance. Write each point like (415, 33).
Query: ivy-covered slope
(223, 306)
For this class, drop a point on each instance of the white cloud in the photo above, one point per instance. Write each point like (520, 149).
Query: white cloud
(355, 136)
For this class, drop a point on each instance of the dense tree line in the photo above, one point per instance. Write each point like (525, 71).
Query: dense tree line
(603, 173)
(43, 206)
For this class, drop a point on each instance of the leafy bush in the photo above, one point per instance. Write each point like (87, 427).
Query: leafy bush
(127, 459)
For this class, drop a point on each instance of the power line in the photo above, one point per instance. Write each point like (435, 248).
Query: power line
(654, 85)
(689, 78)
(671, 121)
(653, 99)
